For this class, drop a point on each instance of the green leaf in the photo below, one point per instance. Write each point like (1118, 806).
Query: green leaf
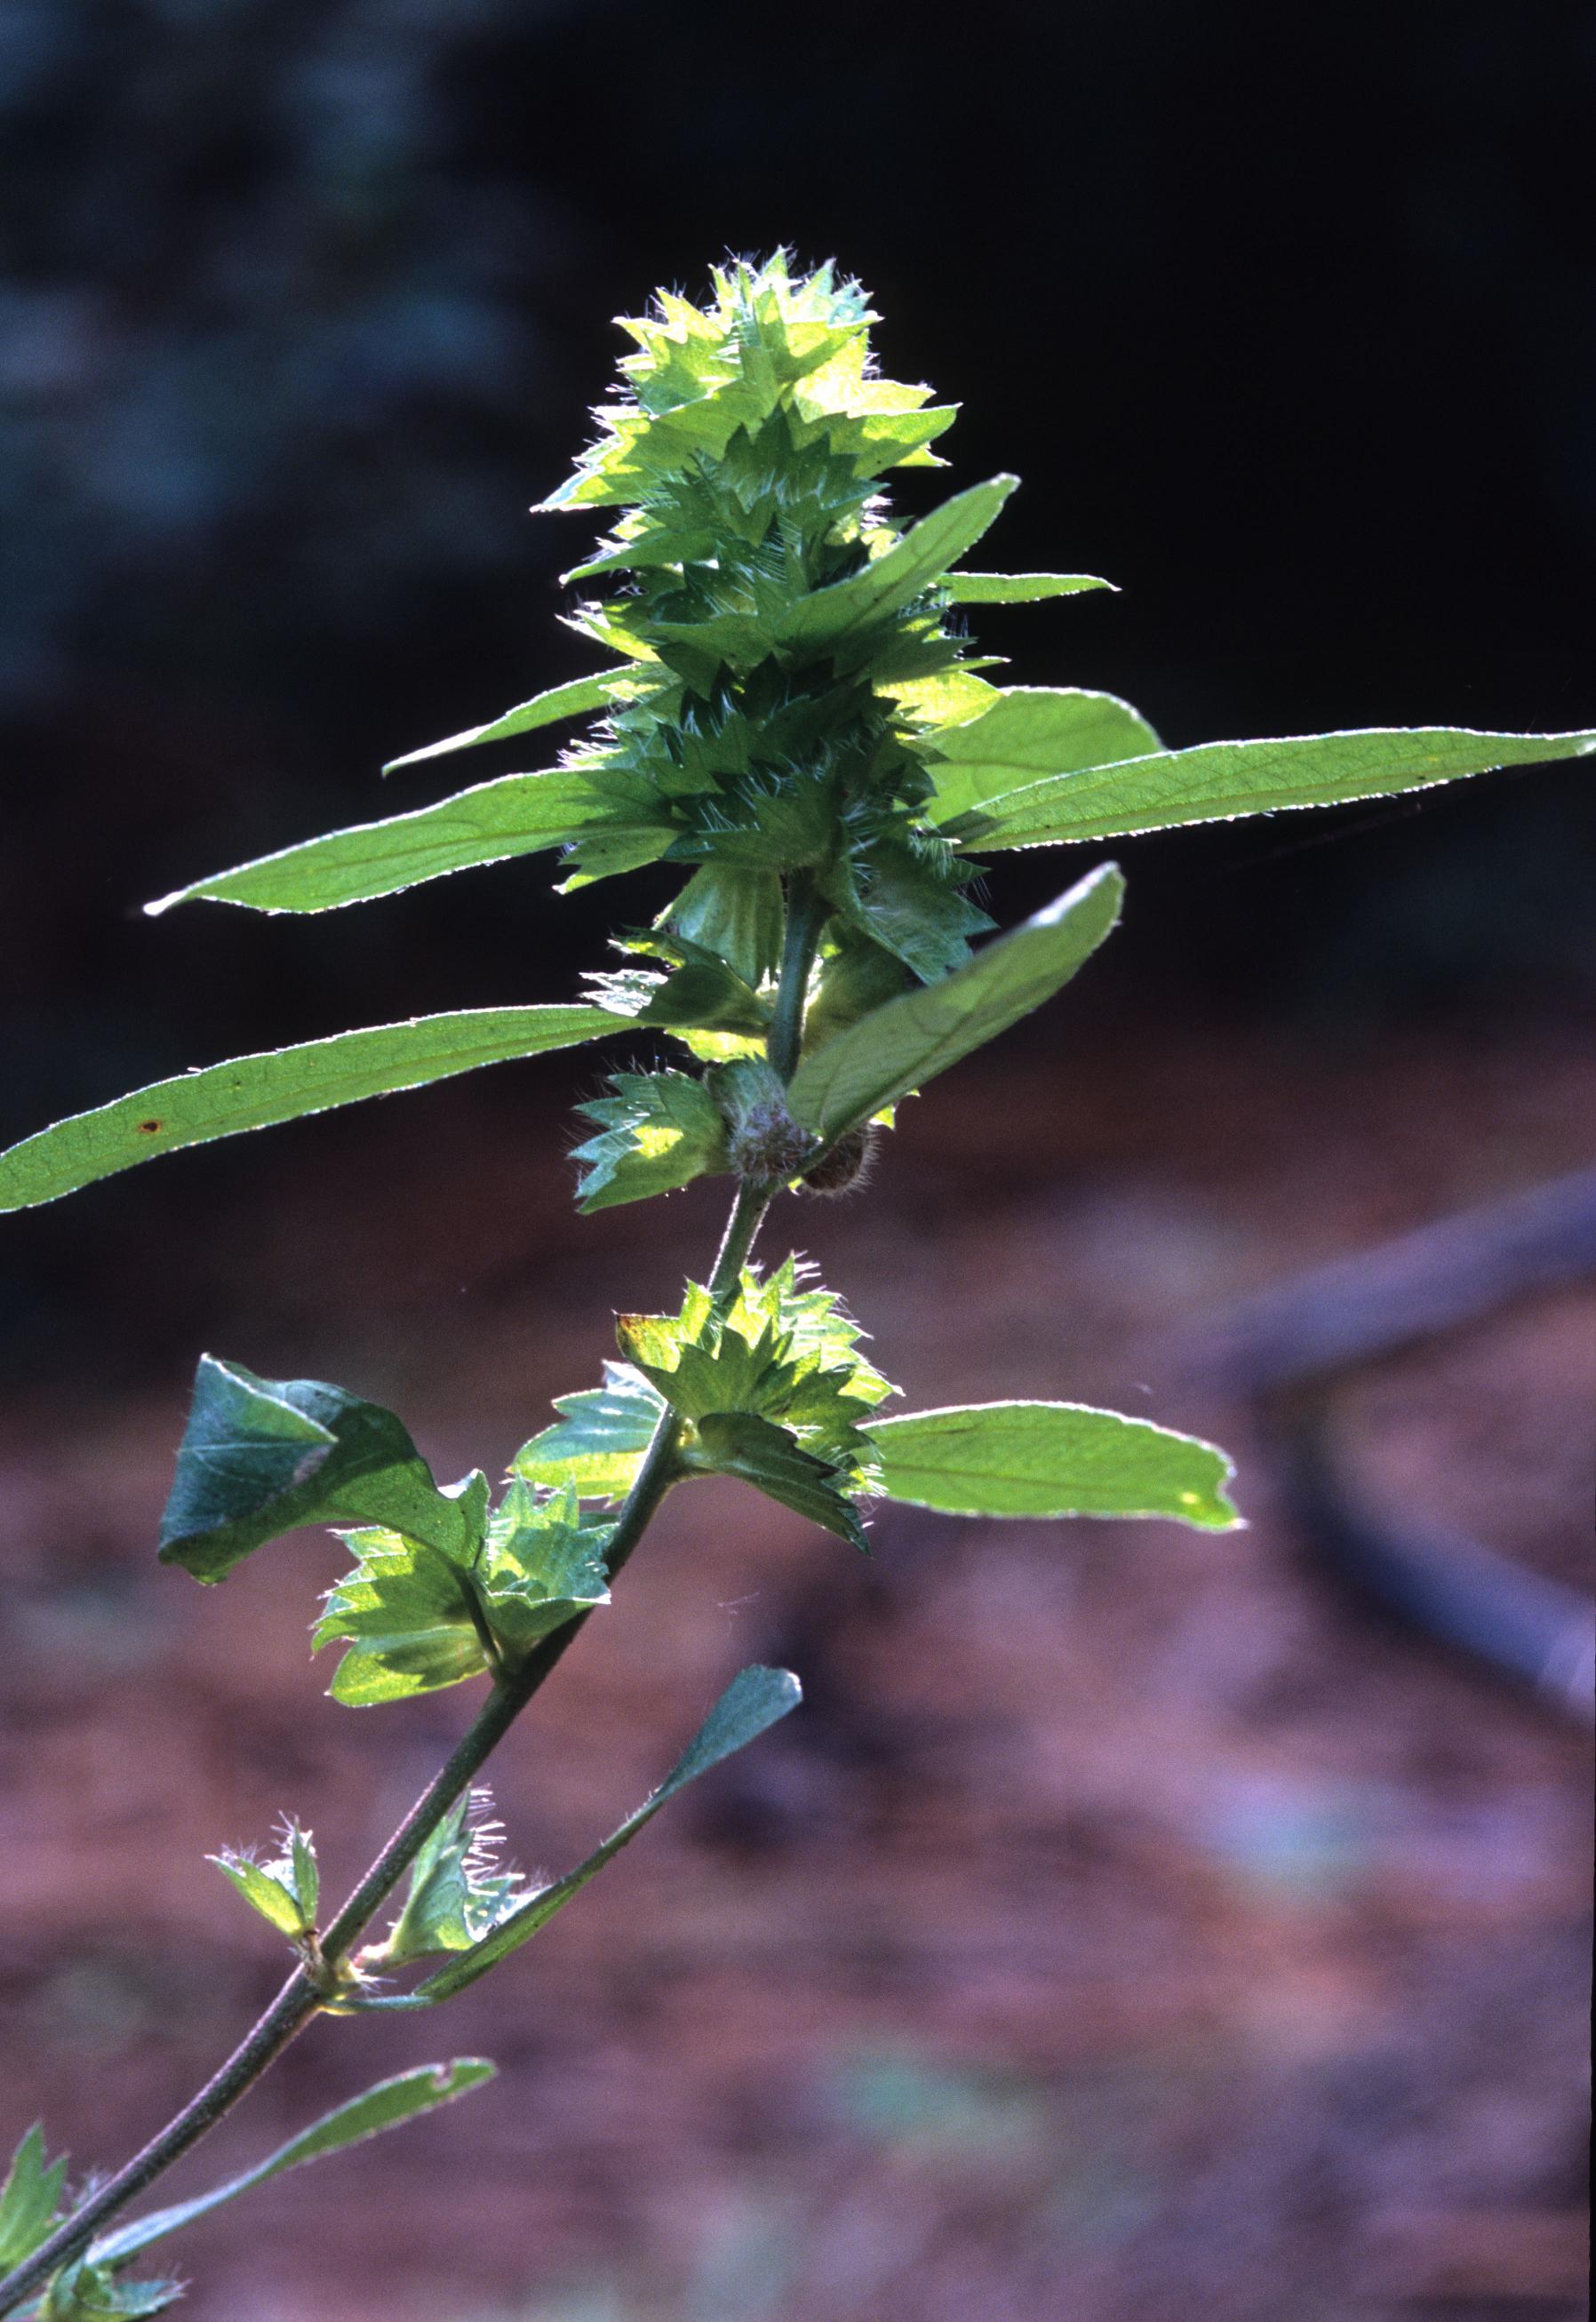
(518, 814)
(693, 989)
(30, 2199)
(911, 908)
(415, 1619)
(753, 1703)
(308, 1876)
(385, 2106)
(951, 697)
(599, 1443)
(86, 2292)
(281, 1085)
(905, 1044)
(410, 1618)
(783, 1350)
(263, 1456)
(284, 1891)
(541, 1565)
(658, 1130)
(1018, 587)
(458, 1892)
(758, 1452)
(1049, 1460)
(829, 618)
(735, 914)
(582, 694)
(1030, 731)
(857, 976)
(1217, 781)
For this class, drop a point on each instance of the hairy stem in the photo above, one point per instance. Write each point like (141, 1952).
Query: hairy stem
(300, 1997)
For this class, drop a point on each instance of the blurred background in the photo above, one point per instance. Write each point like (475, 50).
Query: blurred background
(1132, 1925)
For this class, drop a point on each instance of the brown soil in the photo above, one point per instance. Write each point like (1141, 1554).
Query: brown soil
(1127, 1930)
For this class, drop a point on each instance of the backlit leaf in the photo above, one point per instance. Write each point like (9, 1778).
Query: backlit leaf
(1018, 587)
(1029, 732)
(84, 2291)
(1049, 1460)
(1217, 781)
(285, 1891)
(904, 904)
(458, 1891)
(415, 1619)
(657, 1131)
(599, 1442)
(838, 616)
(281, 1085)
(902, 1045)
(518, 814)
(735, 914)
(30, 2199)
(582, 694)
(758, 1452)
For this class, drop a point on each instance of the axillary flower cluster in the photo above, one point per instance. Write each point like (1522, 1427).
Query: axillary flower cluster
(789, 715)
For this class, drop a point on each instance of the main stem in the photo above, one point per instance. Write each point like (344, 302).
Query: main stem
(806, 914)
(305, 1991)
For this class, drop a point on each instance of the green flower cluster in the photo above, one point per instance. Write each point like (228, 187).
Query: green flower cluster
(780, 646)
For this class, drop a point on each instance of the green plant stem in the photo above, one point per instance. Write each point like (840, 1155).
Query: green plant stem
(807, 913)
(304, 1994)
(306, 1991)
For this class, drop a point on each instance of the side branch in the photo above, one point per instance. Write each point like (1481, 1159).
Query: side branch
(300, 1997)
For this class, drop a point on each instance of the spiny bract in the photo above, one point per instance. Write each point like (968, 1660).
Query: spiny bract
(779, 648)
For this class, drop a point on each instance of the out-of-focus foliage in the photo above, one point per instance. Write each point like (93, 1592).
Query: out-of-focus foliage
(248, 278)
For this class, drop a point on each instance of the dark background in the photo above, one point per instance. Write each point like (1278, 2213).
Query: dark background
(1286, 320)
(1290, 327)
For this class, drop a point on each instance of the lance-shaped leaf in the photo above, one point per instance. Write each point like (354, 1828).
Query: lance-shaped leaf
(573, 700)
(30, 2199)
(1019, 588)
(386, 2106)
(902, 1045)
(1029, 732)
(1217, 781)
(262, 1456)
(281, 1085)
(1049, 1460)
(835, 616)
(518, 814)
(599, 1442)
(753, 1703)
(951, 697)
